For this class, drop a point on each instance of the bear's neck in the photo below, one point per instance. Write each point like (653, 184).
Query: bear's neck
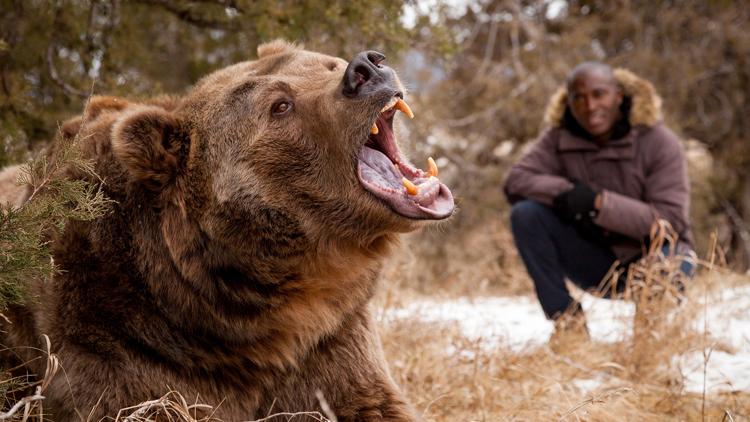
(284, 302)
(205, 306)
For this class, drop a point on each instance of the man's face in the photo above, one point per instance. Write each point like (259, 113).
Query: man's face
(594, 100)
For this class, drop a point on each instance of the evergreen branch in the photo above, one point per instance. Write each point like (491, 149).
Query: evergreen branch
(187, 15)
(52, 71)
(55, 199)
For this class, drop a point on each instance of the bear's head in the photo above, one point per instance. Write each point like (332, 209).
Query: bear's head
(295, 135)
(271, 189)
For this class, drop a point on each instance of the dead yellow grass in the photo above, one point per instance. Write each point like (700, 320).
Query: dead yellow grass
(30, 406)
(632, 379)
(450, 378)
(174, 408)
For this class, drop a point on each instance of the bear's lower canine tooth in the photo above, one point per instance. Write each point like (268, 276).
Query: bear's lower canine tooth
(432, 168)
(404, 108)
(411, 188)
(374, 129)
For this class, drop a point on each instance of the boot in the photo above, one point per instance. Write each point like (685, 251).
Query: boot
(570, 330)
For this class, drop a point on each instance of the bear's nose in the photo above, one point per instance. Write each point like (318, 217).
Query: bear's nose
(365, 74)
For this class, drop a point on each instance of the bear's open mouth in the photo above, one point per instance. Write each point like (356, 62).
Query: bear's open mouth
(382, 170)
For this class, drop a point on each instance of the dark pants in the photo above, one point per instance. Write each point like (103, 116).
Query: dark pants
(552, 249)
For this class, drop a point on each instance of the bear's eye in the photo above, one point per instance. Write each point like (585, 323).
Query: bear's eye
(281, 108)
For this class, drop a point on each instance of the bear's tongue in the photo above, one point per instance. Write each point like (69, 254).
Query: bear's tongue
(408, 191)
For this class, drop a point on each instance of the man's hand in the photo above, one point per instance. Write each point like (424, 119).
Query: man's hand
(579, 207)
(577, 204)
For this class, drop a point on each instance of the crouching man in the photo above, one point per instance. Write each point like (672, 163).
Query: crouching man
(588, 191)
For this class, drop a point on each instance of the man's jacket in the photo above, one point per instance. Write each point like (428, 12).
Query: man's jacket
(642, 175)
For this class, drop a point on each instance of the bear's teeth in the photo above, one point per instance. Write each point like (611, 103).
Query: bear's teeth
(400, 105)
(390, 104)
(404, 108)
(432, 168)
(374, 129)
(411, 188)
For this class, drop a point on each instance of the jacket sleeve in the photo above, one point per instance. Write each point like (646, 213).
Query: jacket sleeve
(666, 193)
(539, 173)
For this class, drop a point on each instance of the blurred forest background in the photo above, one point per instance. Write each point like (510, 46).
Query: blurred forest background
(480, 74)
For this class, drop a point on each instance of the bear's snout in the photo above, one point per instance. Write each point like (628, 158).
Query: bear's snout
(366, 75)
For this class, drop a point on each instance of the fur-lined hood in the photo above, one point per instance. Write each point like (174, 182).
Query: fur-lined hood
(646, 103)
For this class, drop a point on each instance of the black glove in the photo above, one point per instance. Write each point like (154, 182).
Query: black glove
(577, 204)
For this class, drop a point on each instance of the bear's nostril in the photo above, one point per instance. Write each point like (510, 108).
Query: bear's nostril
(365, 70)
(362, 74)
(375, 58)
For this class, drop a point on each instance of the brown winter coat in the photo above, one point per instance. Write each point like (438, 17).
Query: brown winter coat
(642, 176)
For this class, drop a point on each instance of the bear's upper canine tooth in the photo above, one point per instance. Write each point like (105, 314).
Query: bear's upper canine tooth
(411, 188)
(403, 107)
(374, 129)
(432, 168)
(390, 104)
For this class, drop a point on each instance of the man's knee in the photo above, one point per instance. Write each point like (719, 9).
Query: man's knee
(528, 214)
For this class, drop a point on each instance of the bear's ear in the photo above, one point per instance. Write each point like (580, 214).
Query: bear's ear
(95, 107)
(102, 103)
(275, 47)
(148, 142)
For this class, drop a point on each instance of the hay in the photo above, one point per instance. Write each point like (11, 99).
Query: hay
(450, 377)
(174, 408)
(32, 404)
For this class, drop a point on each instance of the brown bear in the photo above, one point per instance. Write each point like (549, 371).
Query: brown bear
(251, 218)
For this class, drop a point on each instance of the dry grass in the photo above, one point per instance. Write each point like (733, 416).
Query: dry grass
(632, 379)
(174, 408)
(451, 378)
(29, 407)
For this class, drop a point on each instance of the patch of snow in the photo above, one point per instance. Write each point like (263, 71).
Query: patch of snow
(518, 323)
(727, 317)
(608, 320)
(586, 385)
(725, 372)
(727, 320)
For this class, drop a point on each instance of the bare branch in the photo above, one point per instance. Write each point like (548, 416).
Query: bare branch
(740, 227)
(196, 19)
(69, 89)
(21, 403)
(489, 48)
(515, 28)
(490, 111)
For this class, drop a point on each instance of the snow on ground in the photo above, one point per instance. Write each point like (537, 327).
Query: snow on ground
(727, 319)
(518, 322)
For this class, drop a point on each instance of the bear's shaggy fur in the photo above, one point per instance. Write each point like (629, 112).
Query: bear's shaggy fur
(240, 256)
